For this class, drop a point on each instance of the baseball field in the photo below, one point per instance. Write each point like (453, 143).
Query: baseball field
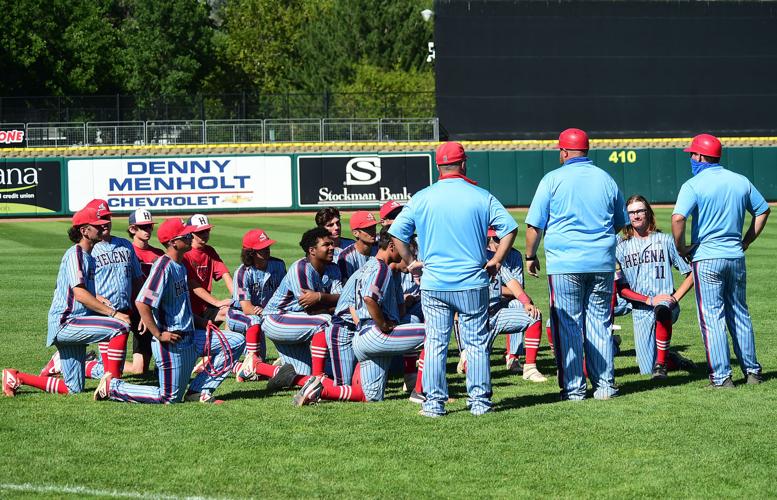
(675, 438)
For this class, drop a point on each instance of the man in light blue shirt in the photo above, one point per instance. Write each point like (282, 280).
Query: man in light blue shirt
(717, 199)
(579, 209)
(451, 218)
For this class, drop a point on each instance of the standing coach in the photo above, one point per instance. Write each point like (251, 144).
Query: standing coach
(718, 198)
(580, 209)
(451, 218)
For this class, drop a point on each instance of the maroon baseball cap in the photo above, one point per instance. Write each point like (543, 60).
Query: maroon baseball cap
(491, 232)
(257, 239)
(88, 215)
(389, 207)
(362, 219)
(173, 228)
(449, 153)
(101, 206)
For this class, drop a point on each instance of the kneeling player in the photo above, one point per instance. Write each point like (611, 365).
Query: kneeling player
(645, 256)
(71, 328)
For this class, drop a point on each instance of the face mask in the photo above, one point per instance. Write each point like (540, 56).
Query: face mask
(697, 166)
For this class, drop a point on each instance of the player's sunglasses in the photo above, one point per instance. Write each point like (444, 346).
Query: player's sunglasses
(637, 212)
(186, 237)
(145, 227)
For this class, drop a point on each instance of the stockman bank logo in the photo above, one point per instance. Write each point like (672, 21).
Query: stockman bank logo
(362, 171)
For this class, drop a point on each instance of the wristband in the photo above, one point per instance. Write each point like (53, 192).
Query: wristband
(524, 299)
(113, 313)
(533, 257)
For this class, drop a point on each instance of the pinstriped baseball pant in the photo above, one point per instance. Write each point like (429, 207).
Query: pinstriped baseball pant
(721, 301)
(439, 307)
(580, 320)
(291, 334)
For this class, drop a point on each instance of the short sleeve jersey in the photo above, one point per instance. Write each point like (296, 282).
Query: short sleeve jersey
(344, 243)
(77, 268)
(147, 256)
(376, 282)
(512, 269)
(166, 290)
(257, 285)
(348, 297)
(117, 269)
(351, 259)
(302, 275)
(717, 199)
(646, 263)
(205, 265)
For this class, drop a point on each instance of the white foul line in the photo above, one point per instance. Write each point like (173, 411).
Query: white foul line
(81, 490)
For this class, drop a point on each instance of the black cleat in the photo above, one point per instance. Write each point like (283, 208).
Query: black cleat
(726, 384)
(754, 378)
(659, 371)
(283, 379)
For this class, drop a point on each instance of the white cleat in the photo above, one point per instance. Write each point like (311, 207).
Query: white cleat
(532, 374)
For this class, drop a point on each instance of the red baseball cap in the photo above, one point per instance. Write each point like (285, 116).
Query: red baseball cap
(389, 207)
(257, 239)
(449, 153)
(362, 219)
(491, 232)
(705, 144)
(88, 215)
(101, 206)
(200, 222)
(574, 139)
(173, 228)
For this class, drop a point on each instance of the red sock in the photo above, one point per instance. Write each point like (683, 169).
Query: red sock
(318, 352)
(419, 386)
(89, 367)
(265, 369)
(549, 335)
(531, 341)
(53, 385)
(663, 336)
(334, 392)
(116, 350)
(253, 335)
(409, 363)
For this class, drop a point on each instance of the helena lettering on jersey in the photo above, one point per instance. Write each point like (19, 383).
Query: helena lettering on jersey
(646, 256)
(181, 288)
(113, 257)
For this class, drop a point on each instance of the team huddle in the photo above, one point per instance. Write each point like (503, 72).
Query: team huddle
(341, 315)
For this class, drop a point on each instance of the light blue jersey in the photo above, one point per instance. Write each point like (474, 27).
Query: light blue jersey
(76, 269)
(257, 285)
(376, 283)
(168, 285)
(344, 243)
(646, 263)
(302, 275)
(348, 297)
(445, 241)
(580, 208)
(351, 259)
(117, 269)
(512, 269)
(717, 199)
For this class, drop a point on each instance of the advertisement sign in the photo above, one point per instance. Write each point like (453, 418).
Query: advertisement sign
(30, 187)
(182, 183)
(12, 136)
(361, 180)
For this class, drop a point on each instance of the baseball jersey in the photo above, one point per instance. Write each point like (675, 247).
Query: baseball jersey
(166, 290)
(301, 275)
(580, 208)
(350, 259)
(257, 285)
(512, 269)
(205, 265)
(717, 199)
(348, 297)
(147, 256)
(376, 282)
(117, 268)
(646, 263)
(451, 217)
(344, 243)
(76, 268)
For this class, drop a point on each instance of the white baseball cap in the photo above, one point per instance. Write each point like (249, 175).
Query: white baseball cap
(140, 216)
(200, 222)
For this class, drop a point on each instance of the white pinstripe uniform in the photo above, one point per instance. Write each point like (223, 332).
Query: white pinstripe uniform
(373, 348)
(340, 332)
(287, 324)
(505, 316)
(646, 266)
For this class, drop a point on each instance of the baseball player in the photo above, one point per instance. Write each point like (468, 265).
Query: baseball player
(717, 199)
(355, 256)
(579, 209)
(329, 219)
(205, 265)
(452, 217)
(645, 257)
(389, 212)
(296, 316)
(380, 336)
(165, 308)
(141, 226)
(256, 280)
(72, 324)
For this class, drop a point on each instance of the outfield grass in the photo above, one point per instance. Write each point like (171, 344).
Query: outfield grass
(675, 439)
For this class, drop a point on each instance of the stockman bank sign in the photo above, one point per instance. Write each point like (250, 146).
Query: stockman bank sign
(361, 180)
(184, 183)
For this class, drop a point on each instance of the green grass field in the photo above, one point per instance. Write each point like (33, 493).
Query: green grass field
(670, 439)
